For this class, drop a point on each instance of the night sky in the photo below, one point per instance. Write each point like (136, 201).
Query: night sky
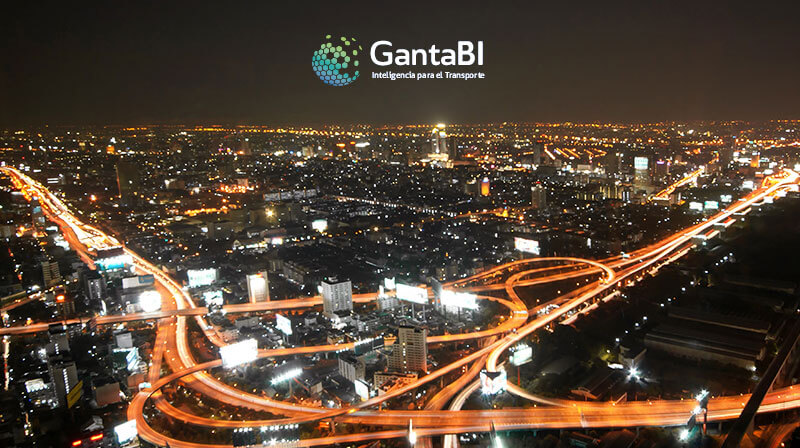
(116, 62)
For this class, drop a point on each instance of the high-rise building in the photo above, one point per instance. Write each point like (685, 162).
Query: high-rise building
(351, 367)
(36, 212)
(336, 295)
(538, 149)
(95, 286)
(65, 377)
(127, 180)
(410, 352)
(538, 196)
(50, 273)
(485, 187)
(258, 287)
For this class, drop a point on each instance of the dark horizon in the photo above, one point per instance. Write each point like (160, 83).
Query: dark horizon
(250, 64)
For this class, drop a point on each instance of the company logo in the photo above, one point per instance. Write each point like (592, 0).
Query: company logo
(336, 61)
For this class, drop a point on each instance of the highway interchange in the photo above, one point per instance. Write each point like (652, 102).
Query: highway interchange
(604, 277)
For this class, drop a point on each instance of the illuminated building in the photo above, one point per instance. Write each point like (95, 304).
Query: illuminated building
(127, 180)
(410, 352)
(258, 287)
(65, 377)
(50, 273)
(336, 295)
(485, 187)
(351, 367)
(538, 197)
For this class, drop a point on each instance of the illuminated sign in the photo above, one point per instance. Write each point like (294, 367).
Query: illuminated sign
(748, 185)
(239, 353)
(201, 277)
(283, 324)
(389, 283)
(459, 299)
(526, 245)
(711, 205)
(412, 294)
(640, 163)
(126, 432)
(696, 206)
(521, 354)
(726, 198)
(320, 225)
(288, 375)
(492, 383)
(362, 390)
(115, 262)
(150, 301)
(213, 297)
(34, 385)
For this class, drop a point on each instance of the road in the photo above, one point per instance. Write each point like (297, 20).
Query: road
(172, 345)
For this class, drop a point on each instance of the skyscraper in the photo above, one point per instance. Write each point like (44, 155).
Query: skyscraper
(258, 287)
(336, 295)
(50, 273)
(410, 352)
(65, 377)
(127, 180)
(538, 196)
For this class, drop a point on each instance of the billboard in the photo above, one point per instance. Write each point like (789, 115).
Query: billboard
(239, 353)
(711, 205)
(283, 324)
(463, 300)
(320, 225)
(389, 283)
(114, 262)
(213, 297)
(726, 198)
(125, 432)
(367, 345)
(412, 294)
(75, 394)
(362, 389)
(492, 383)
(150, 301)
(140, 280)
(640, 163)
(696, 206)
(201, 277)
(526, 245)
(521, 354)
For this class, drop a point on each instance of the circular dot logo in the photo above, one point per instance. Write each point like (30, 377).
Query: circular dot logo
(336, 61)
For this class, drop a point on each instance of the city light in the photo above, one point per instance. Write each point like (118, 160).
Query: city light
(239, 353)
(462, 300)
(283, 324)
(412, 294)
(526, 245)
(286, 376)
(125, 432)
(492, 383)
(150, 301)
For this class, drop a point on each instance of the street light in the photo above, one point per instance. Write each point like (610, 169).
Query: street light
(412, 435)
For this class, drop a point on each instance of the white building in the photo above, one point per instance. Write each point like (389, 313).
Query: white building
(258, 287)
(336, 295)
